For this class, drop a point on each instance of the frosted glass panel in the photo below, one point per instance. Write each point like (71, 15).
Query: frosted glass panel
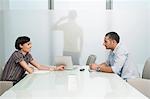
(28, 4)
(36, 25)
(31, 18)
(76, 27)
(1, 39)
(84, 25)
(130, 20)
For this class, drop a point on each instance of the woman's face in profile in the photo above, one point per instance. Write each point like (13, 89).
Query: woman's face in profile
(26, 47)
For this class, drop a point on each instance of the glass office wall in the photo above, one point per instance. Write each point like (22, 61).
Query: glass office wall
(1, 35)
(149, 29)
(82, 25)
(31, 18)
(28, 4)
(129, 18)
(77, 27)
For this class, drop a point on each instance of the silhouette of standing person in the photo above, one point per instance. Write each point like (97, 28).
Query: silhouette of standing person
(73, 36)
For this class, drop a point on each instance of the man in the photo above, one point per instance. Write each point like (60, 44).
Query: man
(118, 60)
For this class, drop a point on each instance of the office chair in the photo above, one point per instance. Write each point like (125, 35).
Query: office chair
(146, 70)
(4, 85)
(91, 59)
(143, 84)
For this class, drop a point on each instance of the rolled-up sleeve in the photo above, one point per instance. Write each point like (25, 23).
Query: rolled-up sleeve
(30, 58)
(119, 61)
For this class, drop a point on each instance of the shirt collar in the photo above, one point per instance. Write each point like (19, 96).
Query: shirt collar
(115, 50)
(22, 53)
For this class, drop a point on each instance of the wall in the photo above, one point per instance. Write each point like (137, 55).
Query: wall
(130, 20)
(32, 23)
(31, 18)
(1, 35)
(149, 30)
(28, 4)
(91, 18)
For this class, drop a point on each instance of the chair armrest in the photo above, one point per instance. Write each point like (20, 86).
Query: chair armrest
(143, 85)
(5, 85)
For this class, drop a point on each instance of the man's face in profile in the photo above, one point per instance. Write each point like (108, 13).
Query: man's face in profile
(108, 42)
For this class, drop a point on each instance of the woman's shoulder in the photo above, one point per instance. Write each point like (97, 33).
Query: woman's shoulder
(17, 53)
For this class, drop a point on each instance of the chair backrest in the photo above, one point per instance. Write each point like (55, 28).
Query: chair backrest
(4, 86)
(143, 85)
(91, 59)
(146, 70)
(1, 72)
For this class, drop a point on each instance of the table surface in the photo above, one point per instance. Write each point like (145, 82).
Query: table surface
(72, 84)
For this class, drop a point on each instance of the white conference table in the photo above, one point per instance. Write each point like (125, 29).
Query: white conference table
(72, 84)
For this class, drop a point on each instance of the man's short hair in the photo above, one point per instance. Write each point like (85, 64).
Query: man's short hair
(21, 40)
(113, 36)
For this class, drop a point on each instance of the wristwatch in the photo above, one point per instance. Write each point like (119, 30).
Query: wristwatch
(98, 69)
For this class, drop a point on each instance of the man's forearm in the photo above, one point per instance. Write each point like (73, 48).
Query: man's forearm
(105, 68)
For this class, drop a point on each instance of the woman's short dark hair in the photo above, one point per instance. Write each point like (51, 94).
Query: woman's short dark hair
(113, 36)
(21, 40)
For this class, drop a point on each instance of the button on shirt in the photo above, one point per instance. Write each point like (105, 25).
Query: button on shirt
(121, 63)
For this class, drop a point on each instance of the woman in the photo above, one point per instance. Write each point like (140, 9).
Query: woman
(18, 62)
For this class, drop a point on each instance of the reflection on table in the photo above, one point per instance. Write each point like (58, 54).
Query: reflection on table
(74, 84)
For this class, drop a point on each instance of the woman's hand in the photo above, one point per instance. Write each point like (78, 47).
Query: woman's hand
(60, 67)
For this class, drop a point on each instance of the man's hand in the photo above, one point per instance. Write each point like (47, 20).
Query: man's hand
(93, 66)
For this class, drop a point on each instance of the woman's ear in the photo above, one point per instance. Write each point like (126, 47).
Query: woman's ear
(20, 46)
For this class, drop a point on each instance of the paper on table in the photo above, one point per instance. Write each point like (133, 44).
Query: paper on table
(40, 71)
(91, 70)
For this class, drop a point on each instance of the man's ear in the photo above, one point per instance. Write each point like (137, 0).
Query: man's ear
(114, 41)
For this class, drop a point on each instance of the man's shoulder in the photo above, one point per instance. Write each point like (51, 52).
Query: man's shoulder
(122, 49)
